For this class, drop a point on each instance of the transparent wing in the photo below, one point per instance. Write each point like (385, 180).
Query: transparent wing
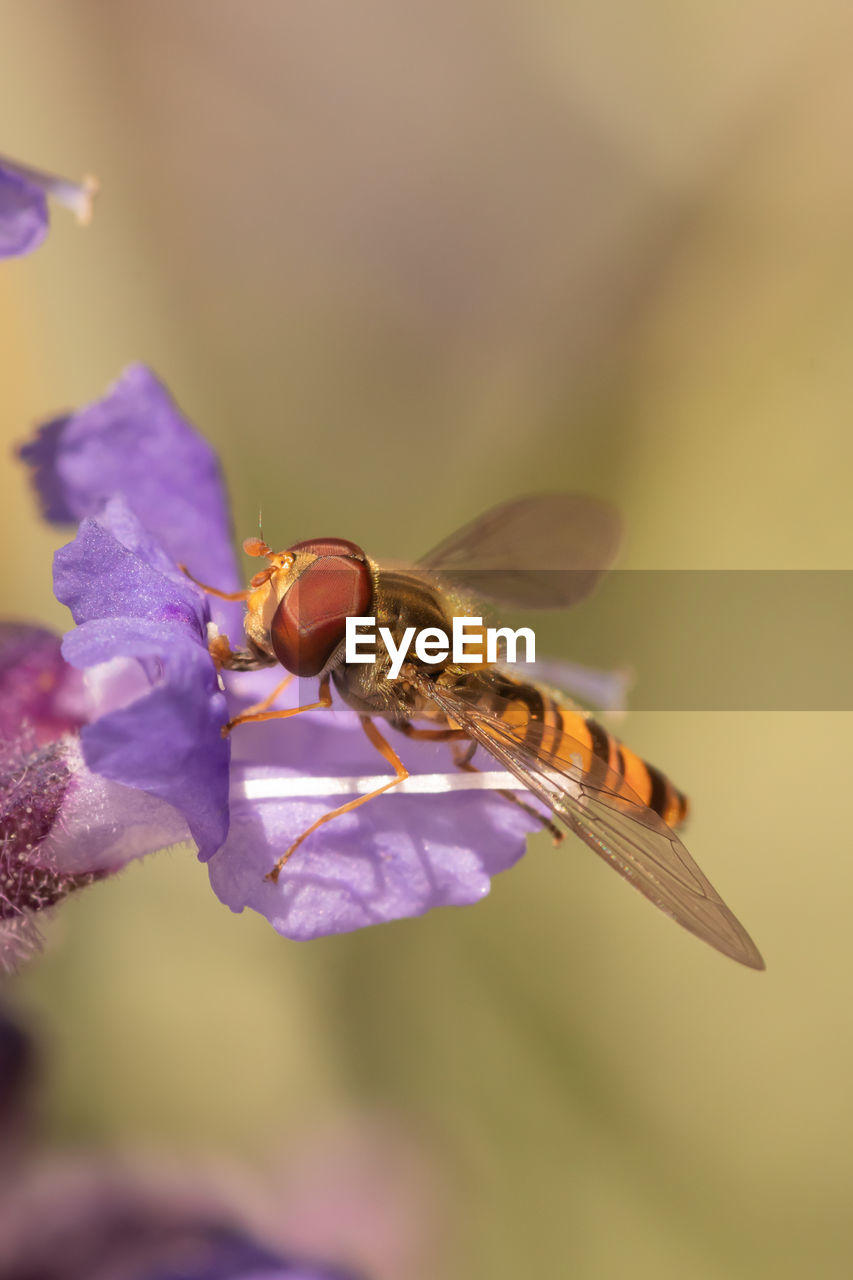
(545, 551)
(608, 816)
(591, 686)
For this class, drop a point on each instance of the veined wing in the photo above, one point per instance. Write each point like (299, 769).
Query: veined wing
(597, 804)
(591, 686)
(545, 551)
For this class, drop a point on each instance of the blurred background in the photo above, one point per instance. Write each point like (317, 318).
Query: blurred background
(399, 263)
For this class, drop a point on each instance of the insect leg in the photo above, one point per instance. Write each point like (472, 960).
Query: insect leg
(253, 716)
(439, 735)
(237, 659)
(462, 761)
(429, 735)
(214, 591)
(388, 753)
(266, 703)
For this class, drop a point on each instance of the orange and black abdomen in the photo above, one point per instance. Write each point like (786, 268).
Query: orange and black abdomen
(557, 732)
(645, 781)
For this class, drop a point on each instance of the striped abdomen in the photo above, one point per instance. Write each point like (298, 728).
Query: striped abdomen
(558, 732)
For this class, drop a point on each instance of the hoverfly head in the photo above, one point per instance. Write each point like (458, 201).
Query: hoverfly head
(299, 608)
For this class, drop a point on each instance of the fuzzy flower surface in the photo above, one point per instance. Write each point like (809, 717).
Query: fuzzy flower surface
(147, 492)
(62, 827)
(24, 216)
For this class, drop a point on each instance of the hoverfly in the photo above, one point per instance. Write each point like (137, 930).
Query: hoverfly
(593, 785)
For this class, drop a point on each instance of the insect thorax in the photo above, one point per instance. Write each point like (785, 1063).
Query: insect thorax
(401, 600)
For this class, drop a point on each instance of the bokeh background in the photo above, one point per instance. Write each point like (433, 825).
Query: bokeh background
(398, 263)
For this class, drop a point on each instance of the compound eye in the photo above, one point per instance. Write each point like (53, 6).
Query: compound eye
(310, 621)
(329, 547)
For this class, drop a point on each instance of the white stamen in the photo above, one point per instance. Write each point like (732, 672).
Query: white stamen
(257, 784)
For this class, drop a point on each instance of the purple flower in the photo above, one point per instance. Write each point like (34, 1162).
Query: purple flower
(398, 855)
(131, 603)
(135, 444)
(149, 494)
(148, 491)
(62, 827)
(23, 205)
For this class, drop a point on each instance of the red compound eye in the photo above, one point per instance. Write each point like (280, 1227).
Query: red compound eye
(310, 621)
(329, 547)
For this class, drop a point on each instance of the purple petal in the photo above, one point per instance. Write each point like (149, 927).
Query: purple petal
(39, 692)
(395, 856)
(102, 825)
(114, 569)
(133, 604)
(34, 786)
(23, 214)
(169, 742)
(60, 823)
(76, 196)
(57, 817)
(136, 444)
(63, 828)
